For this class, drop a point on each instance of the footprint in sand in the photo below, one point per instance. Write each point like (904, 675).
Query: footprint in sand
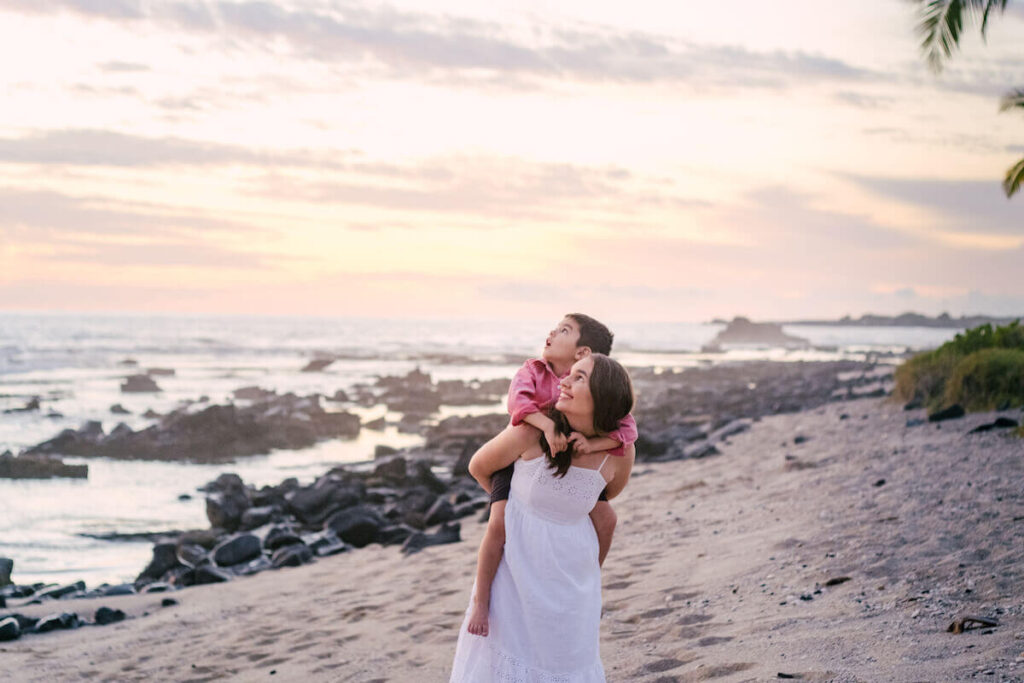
(619, 585)
(720, 671)
(713, 640)
(694, 619)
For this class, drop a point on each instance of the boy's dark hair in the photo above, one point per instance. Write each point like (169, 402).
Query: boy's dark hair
(593, 334)
(613, 396)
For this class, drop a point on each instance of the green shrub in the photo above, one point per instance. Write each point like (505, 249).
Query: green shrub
(943, 376)
(923, 378)
(987, 380)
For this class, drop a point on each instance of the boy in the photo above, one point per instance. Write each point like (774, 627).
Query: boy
(535, 388)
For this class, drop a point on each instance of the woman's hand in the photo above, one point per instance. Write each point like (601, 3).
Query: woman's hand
(500, 452)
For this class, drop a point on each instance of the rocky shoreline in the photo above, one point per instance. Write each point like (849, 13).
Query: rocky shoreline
(411, 497)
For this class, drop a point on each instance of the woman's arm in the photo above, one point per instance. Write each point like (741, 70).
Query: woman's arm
(501, 451)
(623, 468)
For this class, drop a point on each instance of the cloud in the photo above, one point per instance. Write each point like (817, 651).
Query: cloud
(29, 213)
(424, 45)
(492, 187)
(162, 254)
(862, 100)
(122, 67)
(966, 205)
(91, 147)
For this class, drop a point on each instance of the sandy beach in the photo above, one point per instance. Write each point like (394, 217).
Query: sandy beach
(719, 571)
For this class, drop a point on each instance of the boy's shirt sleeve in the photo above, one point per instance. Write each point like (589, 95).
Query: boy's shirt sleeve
(522, 393)
(625, 434)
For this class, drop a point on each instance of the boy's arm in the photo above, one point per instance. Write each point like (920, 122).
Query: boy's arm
(624, 435)
(500, 452)
(522, 394)
(556, 442)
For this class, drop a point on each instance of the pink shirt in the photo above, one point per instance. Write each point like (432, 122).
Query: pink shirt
(535, 388)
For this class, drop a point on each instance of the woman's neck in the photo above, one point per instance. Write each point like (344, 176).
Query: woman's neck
(583, 425)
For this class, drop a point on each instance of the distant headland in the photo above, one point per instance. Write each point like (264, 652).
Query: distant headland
(902, 320)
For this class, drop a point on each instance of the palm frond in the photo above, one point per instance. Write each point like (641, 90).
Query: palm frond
(1014, 177)
(989, 6)
(1014, 98)
(942, 24)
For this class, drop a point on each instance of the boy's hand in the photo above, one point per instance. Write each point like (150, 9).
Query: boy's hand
(556, 442)
(580, 443)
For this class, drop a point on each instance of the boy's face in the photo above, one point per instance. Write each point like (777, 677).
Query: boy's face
(560, 345)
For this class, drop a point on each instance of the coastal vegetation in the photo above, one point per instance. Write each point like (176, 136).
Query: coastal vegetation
(980, 369)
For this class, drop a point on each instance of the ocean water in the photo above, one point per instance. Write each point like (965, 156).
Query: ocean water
(75, 365)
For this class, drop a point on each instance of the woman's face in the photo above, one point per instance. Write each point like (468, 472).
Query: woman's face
(575, 396)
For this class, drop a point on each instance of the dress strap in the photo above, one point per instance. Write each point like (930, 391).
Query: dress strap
(603, 462)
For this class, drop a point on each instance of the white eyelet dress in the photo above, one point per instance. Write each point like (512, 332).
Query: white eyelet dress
(545, 607)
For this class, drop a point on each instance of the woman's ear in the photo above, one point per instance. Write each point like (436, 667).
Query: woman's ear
(582, 352)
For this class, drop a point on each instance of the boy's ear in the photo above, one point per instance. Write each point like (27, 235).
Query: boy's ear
(582, 352)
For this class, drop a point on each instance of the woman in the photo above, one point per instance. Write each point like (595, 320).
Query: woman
(545, 605)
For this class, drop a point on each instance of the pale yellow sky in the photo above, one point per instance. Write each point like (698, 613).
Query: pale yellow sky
(454, 158)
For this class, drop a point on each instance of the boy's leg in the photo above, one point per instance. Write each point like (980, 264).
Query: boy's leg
(604, 519)
(491, 549)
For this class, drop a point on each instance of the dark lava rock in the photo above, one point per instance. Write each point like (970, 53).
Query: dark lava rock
(39, 467)
(225, 509)
(139, 384)
(53, 622)
(6, 567)
(314, 503)
(120, 589)
(151, 414)
(395, 534)
(440, 511)
(261, 563)
(326, 543)
(339, 396)
(317, 364)
(700, 450)
(168, 602)
(9, 629)
(191, 555)
(395, 469)
(60, 591)
(1000, 423)
(915, 422)
(253, 393)
(448, 533)
(799, 439)
(257, 517)
(422, 474)
(951, 413)
(382, 451)
(741, 331)
(357, 526)
(216, 433)
(158, 587)
(237, 550)
(105, 615)
(292, 556)
(118, 409)
(209, 574)
(31, 406)
(279, 537)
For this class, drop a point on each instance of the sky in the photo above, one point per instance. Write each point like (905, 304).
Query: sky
(641, 161)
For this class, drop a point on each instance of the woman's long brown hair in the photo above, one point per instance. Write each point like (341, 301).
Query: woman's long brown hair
(612, 392)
